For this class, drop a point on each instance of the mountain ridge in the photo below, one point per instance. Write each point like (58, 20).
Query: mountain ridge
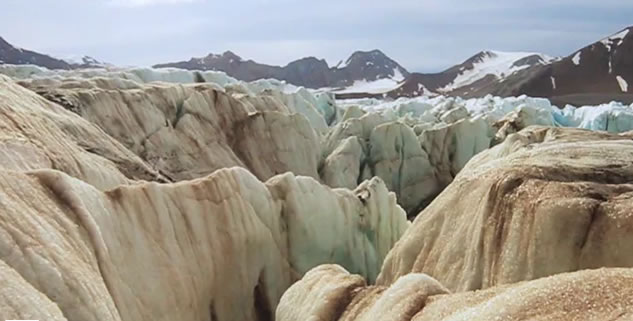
(10, 54)
(309, 71)
(594, 74)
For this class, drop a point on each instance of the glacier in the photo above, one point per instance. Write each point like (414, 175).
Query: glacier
(316, 104)
(347, 141)
(612, 117)
(284, 177)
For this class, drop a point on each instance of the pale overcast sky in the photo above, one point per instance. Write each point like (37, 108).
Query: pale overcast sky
(423, 35)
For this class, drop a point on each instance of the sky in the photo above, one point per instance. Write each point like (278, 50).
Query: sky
(422, 35)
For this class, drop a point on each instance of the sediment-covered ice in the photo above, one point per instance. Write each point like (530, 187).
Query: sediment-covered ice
(415, 145)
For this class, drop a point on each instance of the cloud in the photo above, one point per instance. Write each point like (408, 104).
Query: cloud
(144, 3)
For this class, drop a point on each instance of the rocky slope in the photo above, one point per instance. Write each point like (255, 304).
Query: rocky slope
(18, 56)
(10, 54)
(308, 72)
(485, 69)
(598, 73)
(604, 68)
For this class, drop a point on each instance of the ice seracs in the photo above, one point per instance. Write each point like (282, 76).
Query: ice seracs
(534, 228)
(340, 142)
(513, 200)
(430, 109)
(100, 226)
(186, 195)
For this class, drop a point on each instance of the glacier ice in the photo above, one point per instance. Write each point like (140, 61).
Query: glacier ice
(416, 145)
(611, 117)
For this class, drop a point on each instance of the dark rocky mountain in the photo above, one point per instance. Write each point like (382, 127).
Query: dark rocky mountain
(10, 54)
(17, 56)
(308, 72)
(598, 73)
(472, 77)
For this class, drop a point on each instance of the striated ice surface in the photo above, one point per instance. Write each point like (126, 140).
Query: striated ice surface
(322, 110)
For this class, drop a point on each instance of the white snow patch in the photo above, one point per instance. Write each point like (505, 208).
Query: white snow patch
(342, 64)
(397, 75)
(84, 60)
(553, 82)
(73, 59)
(615, 40)
(497, 63)
(372, 87)
(623, 84)
(576, 59)
(378, 86)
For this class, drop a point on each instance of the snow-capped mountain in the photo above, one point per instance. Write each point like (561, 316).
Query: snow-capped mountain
(595, 74)
(494, 63)
(369, 66)
(479, 71)
(10, 54)
(85, 62)
(361, 67)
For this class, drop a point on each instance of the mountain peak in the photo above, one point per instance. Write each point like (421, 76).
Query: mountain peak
(84, 62)
(4, 43)
(231, 55)
(367, 55)
(616, 39)
(374, 59)
(11, 54)
(481, 56)
(309, 72)
(310, 59)
(227, 55)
